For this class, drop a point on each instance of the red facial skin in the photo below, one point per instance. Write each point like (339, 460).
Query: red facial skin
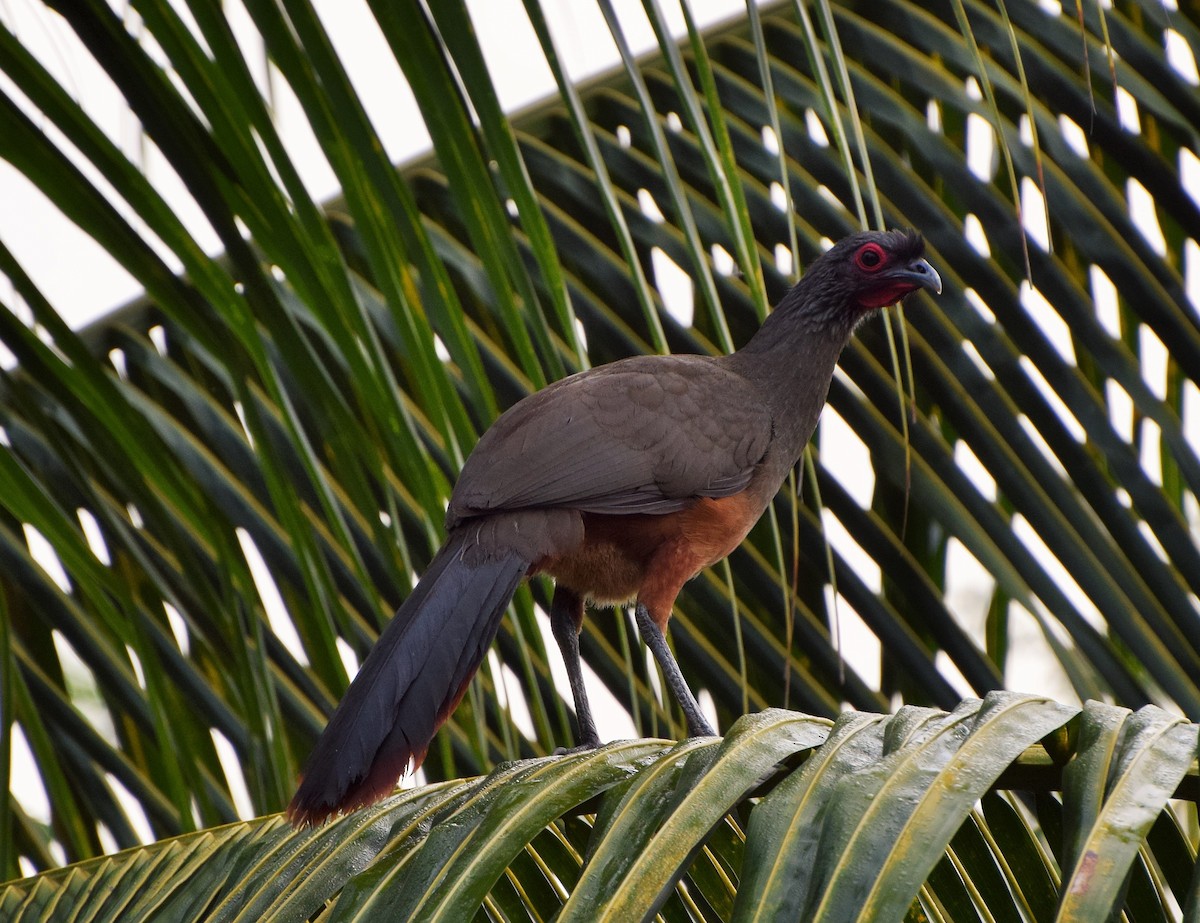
(871, 259)
(889, 295)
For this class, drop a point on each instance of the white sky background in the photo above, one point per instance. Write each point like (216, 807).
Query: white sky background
(83, 283)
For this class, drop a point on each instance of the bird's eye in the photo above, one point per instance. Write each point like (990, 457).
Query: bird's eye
(869, 257)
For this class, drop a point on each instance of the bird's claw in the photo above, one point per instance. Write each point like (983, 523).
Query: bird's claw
(578, 748)
(703, 729)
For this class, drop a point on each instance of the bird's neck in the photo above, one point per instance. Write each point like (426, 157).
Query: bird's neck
(791, 361)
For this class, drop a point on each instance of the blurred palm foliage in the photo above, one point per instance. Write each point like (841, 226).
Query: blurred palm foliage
(306, 397)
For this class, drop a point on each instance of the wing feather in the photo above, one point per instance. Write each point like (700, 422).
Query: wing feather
(644, 435)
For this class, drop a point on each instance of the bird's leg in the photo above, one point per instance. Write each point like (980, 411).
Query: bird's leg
(566, 619)
(653, 638)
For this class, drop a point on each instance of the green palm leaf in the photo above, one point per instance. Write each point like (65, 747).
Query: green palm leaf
(647, 827)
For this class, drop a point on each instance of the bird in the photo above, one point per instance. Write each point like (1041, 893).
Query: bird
(621, 482)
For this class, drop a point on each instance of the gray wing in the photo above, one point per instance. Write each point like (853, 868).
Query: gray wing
(644, 435)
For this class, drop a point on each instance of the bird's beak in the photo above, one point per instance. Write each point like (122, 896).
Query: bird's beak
(920, 274)
(893, 285)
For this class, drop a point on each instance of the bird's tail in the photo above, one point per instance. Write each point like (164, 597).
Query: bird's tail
(410, 682)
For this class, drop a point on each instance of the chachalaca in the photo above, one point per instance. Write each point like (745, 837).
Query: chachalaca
(622, 483)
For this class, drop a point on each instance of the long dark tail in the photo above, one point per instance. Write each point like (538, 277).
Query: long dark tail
(410, 682)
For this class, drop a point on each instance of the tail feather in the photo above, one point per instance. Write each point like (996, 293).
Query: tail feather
(410, 682)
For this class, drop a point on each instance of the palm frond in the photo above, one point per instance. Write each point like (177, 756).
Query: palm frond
(307, 397)
(873, 818)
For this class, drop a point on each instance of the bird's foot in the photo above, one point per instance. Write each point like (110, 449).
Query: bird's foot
(698, 726)
(578, 748)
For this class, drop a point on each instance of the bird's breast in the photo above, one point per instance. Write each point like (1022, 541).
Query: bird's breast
(622, 556)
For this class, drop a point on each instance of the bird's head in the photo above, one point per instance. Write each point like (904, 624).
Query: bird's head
(849, 282)
(875, 269)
